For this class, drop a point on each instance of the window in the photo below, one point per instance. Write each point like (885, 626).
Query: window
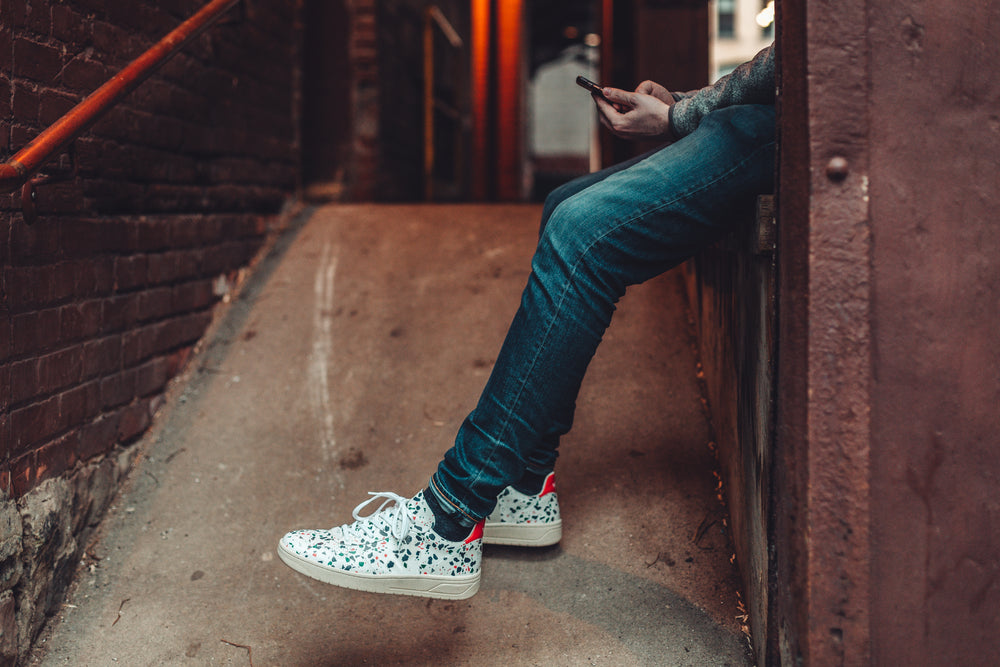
(727, 18)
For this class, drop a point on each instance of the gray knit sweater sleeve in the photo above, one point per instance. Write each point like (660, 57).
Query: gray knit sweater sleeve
(750, 83)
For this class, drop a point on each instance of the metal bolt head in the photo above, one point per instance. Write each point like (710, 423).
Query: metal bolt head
(837, 168)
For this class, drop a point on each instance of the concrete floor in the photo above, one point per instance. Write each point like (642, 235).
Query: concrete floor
(346, 365)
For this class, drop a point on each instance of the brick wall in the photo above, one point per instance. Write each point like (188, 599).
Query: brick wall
(102, 299)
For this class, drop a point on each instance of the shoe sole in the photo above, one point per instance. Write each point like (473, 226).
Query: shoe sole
(428, 586)
(523, 535)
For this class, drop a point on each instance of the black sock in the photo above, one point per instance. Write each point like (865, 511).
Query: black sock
(452, 527)
(532, 482)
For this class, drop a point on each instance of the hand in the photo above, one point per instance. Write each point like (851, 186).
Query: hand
(648, 87)
(634, 115)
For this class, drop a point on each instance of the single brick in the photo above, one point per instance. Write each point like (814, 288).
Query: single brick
(162, 267)
(64, 279)
(98, 437)
(35, 61)
(39, 17)
(152, 235)
(80, 404)
(24, 105)
(23, 380)
(193, 296)
(85, 279)
(80, 320)
(185, 232)
(182, 330)
(104, 275)
(70, 27)
(119, 312)
(29, 285)
(35, 244)
(84, 75)
(60, 369)
(35, 423)
(53, 104)
(152, 376)
(118, 389)
(134, 420)
(14, 14)
(131, 272)
(83, 237)
(55, 458)
(155, 303)
(139, 344)
(36, 331)
(220, 259)
(101, 357)
(112, 41)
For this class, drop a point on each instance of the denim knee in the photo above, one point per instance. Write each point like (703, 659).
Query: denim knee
(554, 199)
(571, 255)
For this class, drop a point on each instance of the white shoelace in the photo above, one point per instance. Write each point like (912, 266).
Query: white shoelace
(397, 517)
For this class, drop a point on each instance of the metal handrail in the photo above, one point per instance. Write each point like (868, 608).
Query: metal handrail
(18, 170)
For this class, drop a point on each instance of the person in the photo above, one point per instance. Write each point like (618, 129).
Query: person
(599, 234)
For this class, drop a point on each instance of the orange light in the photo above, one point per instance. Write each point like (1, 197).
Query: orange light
(509, 99)
(480, 95)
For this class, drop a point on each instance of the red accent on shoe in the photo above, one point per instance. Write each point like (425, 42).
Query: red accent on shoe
(550, 485)
(477, 532)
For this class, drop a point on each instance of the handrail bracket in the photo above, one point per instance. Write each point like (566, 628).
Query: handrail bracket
(60, 174)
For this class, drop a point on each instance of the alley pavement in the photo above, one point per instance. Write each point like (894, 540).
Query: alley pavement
(345, 365)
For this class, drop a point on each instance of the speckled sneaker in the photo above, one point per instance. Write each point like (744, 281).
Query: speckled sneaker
(393, 550)
(524, 520)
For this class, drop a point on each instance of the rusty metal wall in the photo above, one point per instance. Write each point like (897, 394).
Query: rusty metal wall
(935, 206)
(821, 588)
(788, 472)
(885, 547)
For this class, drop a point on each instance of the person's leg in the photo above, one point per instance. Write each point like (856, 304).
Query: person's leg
(581, 183)
(627, 227)
(538, 464)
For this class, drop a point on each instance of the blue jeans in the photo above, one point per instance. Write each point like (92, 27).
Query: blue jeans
(600, 234)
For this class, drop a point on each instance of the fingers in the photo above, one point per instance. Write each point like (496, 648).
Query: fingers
(619, 96)
(656, 90)
(605, 105)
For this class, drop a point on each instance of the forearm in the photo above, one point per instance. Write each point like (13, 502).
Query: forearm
(750, 83)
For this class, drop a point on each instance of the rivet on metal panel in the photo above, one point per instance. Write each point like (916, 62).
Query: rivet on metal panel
(837, 168)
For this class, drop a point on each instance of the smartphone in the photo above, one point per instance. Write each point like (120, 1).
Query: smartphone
(591, 86)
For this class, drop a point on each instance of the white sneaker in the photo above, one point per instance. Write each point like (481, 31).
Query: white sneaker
(393, 550)
(525, 520)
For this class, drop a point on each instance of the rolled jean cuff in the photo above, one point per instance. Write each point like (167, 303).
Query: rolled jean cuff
(454, 510)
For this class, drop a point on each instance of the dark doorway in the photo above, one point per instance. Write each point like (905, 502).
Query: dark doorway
(326, 98)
